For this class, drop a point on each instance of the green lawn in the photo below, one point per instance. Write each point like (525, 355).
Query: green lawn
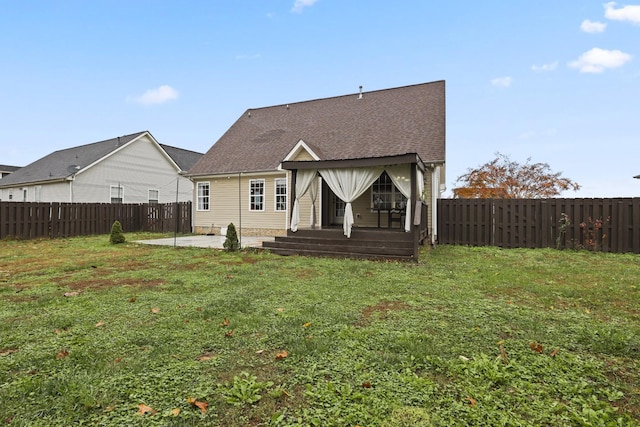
(99, 334)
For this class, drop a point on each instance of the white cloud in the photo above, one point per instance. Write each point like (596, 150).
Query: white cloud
(597, 60)
(298, 5)
(502, 81)
(545, 67)
(159, 95)
(629, 13)
(593, 27)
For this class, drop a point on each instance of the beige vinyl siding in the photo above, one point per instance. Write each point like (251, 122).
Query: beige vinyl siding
(225, 209)
(137, 167)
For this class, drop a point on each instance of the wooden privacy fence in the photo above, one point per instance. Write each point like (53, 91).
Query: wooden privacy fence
(27, 220)
(609, 225)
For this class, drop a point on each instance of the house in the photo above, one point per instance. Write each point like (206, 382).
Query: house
(127, 169)
(5, 170)
(357, 167)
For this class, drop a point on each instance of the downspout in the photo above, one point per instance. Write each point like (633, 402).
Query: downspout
(239, 229)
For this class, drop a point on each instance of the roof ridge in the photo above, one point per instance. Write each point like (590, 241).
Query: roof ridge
(344, 95)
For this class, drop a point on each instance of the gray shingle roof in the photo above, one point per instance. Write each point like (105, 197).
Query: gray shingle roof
(7, 168)
(56, 166)
(409, 119)
(185, 159)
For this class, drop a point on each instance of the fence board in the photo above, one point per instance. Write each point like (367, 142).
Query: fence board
(29, 220)
(608, 225)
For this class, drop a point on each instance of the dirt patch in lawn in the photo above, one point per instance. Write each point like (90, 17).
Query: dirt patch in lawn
(380, 311)
(97, 284)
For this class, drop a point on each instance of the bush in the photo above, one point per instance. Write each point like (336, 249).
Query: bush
(117, 236)
(231, 242)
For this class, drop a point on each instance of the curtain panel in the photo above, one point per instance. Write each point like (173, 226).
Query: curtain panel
(304, 179)
(348, 185)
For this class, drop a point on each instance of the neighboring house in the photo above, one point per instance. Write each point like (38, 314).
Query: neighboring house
(5, 170)
(128, 169)
(368, 160)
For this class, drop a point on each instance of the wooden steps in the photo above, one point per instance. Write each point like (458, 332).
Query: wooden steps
(364, 243)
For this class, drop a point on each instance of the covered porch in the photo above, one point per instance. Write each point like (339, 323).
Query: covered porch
(364, 208)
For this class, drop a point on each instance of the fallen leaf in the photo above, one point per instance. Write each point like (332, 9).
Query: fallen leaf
(472, 401)
(554, 353)
(99, 324)
(109, 408)
(155, 310)
(206, 356)
(280, 310)
(175, 412)
(133, 299)
(71, 294)
(259, 351)
(198, 404)
(118, 359)
(225, 322)
(366, 384)
(503, 353)
(463, 358)
(144, 409)
(536, 347)
(198, 308)
(283, 354)
(62, 354)
(228, 334)
(306, 325)
(587, 311)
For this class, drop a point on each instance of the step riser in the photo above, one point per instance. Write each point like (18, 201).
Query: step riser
(374, 250)
(347, 242)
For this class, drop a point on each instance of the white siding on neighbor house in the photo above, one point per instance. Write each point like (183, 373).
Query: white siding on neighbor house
(225, 191)
(137, 168)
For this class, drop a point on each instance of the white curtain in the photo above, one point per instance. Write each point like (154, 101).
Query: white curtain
(348, 185)
(304, 179)
(313, 192)
(401, 177)
(420, 177)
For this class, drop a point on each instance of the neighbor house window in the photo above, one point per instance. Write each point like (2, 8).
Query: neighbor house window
(24, 194)
(117, 194)
(281, 194)
(38, 189)
(203, 196)
(256, 195)
(385, 195)
(154, 196)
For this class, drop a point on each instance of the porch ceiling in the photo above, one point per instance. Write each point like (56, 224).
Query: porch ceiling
(355, 163)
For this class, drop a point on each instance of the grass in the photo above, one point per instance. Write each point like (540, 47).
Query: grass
(99, 334)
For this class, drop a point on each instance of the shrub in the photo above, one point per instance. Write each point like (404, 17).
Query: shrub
(231, 242)
(117, 236)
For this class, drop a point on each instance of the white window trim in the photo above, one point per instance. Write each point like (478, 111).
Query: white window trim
(276, 195)
(251, 181)
(394, 195)
(120, 193)
(157, 199)
(198, 209)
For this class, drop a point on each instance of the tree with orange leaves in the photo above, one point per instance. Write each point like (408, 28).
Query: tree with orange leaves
(503, 178)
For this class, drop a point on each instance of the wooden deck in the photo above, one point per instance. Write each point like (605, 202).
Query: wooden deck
(368, 243)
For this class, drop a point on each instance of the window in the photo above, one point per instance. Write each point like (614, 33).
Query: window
(203, 196)
(385, 195)
(281, 194)
(24, 194)
(37, 189)
(256, 192)
(154, 197)
(117, 194)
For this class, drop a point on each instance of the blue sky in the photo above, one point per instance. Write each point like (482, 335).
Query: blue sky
(554, 81)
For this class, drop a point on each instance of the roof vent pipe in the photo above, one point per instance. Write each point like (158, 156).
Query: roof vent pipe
(360, 96)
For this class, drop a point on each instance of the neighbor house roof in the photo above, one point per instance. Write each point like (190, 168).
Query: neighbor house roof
(185, 159)
(62, 164)
(382, 123)
(7, 168)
